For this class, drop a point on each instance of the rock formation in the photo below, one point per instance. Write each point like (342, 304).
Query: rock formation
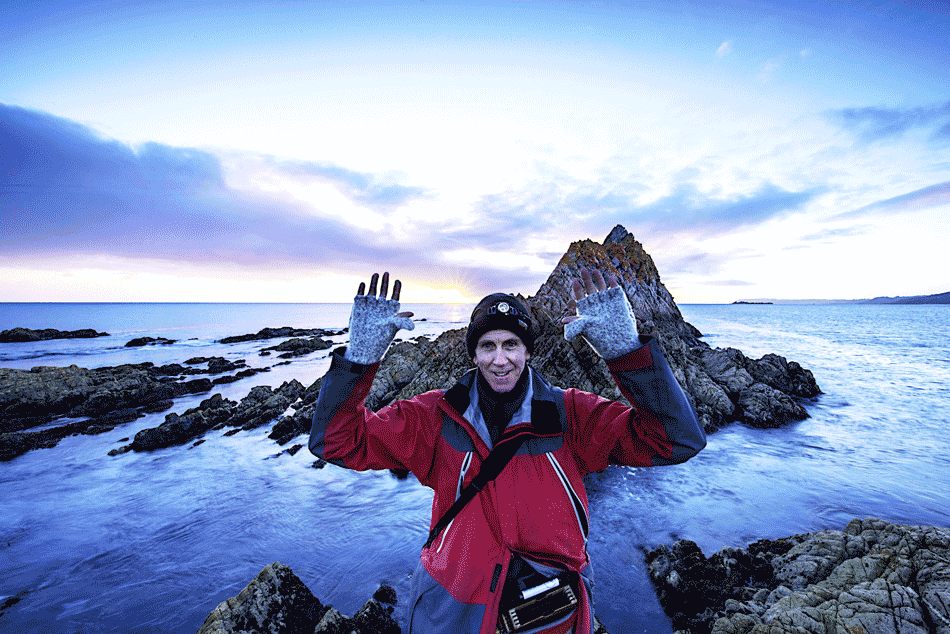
(722, 384)
(103, 398)
(15, 335)
(276, 333)
(278, 602)
(261, 406)
(874, 577)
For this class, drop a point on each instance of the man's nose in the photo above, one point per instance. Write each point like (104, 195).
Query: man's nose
(500, 357)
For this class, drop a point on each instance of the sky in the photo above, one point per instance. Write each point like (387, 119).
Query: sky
(285, 151)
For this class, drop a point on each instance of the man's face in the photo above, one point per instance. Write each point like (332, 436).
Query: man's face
(500, 356)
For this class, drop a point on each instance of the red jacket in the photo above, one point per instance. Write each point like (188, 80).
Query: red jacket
(537, 506)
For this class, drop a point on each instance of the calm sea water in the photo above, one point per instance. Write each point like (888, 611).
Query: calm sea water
(153, 542)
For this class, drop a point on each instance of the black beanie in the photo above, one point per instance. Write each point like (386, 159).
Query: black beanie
(500, 311)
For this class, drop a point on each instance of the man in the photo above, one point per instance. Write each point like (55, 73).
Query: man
(514, 558)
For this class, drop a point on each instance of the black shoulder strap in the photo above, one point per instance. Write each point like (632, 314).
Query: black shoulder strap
(493, 464)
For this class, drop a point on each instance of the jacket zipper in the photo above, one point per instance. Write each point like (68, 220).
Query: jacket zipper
(580, 514)
(466, 463)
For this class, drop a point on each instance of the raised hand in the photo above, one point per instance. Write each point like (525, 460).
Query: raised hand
(604, 316)
(397, 289)
(375, 321)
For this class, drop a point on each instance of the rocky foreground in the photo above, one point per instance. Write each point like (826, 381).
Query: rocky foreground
(278, 602)
(873, 577)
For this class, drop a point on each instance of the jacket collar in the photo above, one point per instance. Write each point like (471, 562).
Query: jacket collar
(545, 415)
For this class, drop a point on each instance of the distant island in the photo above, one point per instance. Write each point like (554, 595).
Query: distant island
(939, 298)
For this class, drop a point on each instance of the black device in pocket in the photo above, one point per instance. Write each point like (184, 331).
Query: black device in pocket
(538, 605)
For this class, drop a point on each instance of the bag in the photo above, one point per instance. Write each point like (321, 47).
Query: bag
(531, 600)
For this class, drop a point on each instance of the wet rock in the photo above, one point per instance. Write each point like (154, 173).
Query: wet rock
(874, 576)
(278, 602)
(177, 430)
(298, 347)
(261, 406)
(275, 602)
(17, 335)
(290, 426)
(138, 342)
(286, 331)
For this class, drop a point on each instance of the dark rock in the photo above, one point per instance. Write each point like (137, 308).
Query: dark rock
(289, 427)
(874, 577)
(14, 444)
(275, 602)
(286, 331)
(177, 430)
(298, 347)
(197, 386)
(259, 407)
(385, 594)
(17, 335)
(262, 404)
(149, 341)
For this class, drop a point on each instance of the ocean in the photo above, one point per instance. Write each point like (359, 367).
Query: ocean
(152, 542)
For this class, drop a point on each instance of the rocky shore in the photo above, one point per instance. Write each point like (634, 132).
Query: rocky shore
(65, 401)
(19, 335)
(873, 577)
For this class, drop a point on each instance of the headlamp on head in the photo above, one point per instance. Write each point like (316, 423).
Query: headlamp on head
(500, 311)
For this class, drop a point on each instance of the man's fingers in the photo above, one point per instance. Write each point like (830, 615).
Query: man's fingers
(588, 282)
(372, 284)
(578, 288)
(397, 288)
(384, 287)
(568, 320)
(599, 280)
(362, 289)
(612, 280)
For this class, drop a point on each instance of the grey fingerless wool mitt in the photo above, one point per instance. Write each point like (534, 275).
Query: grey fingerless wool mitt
(607, 323)
(373, 326)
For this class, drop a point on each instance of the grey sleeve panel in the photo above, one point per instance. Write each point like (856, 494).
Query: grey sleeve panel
(656, 390)
(339, 383)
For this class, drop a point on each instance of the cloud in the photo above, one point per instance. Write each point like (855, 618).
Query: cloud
(724, 49)
(834, 234)
(65, 190)
(687, 208)
(66, 194)
(703, 263)
(925, 198)
(768, 69)
(873, 124)
(362, 188)
(728, 283)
